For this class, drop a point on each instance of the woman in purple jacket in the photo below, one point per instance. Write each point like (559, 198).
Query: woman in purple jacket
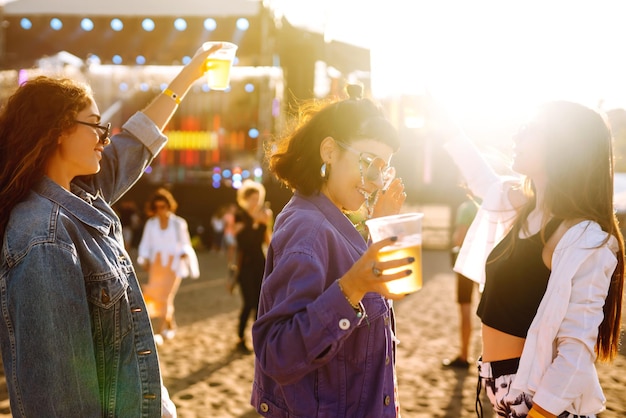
(324, 338)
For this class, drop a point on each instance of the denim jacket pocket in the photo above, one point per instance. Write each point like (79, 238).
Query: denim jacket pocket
(110, 305)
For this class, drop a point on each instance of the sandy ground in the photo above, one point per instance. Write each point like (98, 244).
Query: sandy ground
(207, 378)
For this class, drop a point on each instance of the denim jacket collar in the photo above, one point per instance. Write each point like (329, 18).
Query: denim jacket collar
(336, 218)
(79, 203)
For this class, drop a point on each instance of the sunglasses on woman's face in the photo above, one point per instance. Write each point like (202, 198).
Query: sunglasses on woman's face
(104, 135)
(375, 167)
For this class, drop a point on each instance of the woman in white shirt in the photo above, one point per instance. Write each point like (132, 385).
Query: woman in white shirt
(165, 251)
(549, 254)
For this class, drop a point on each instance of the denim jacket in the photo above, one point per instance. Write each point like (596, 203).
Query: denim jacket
(75, 336)
(314, 356)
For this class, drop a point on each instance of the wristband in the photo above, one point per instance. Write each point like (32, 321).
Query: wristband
(172, 95)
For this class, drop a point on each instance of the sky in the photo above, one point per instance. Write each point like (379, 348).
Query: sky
(483, 57)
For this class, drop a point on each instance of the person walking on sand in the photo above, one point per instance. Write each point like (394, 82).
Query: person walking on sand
(464, 286)
(549, 251)
(325, 339)
(252, 221)
(75, 336)
(166, 253)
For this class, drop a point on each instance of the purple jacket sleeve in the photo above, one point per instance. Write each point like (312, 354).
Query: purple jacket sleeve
(307, 322)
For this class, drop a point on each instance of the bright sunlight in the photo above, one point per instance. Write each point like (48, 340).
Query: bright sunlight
(491, 58)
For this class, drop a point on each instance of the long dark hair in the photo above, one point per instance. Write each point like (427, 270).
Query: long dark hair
(33, 119)
(579, 164)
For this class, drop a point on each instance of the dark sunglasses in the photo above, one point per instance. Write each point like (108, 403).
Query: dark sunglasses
(106, 130)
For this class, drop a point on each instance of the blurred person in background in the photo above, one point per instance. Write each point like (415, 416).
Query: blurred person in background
(75, 336)
(252, 231)
(166, 253)
(464, 286)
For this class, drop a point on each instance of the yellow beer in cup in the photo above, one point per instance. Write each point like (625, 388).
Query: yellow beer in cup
(218, 65)
(408, 228)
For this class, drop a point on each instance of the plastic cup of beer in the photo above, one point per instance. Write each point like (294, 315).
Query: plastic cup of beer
(408, 228)
(218, 65)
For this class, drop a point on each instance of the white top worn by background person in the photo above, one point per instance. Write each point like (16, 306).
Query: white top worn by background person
(172, 241)
(557, 364)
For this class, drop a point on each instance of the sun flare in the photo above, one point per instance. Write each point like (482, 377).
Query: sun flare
(485, 59)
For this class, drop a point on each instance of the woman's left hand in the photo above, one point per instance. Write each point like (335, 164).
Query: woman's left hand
(390, 201)
(198, 62)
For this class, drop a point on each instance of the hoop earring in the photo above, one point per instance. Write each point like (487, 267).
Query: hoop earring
(323, 172)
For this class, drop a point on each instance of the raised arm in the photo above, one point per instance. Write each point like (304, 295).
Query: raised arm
(477, 172)
(163, 107)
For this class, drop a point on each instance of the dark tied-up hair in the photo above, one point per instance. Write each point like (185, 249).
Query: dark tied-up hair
(295, 157)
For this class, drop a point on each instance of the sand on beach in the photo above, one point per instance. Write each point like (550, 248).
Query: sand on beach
(206, 377)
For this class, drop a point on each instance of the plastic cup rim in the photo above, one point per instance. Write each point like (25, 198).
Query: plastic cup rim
(394, 218)
(225, 45)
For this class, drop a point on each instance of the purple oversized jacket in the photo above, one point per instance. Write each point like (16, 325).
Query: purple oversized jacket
(314, 356)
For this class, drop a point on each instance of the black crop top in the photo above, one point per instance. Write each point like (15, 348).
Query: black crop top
(516, 280)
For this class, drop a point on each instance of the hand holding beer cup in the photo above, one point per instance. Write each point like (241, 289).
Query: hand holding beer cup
(370, 274)
(219, 63)
(408, 230)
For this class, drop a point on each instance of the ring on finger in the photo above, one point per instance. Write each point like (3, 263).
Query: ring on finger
(376, 271)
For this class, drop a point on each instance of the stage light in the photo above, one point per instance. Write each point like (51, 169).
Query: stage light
(216, 177)
(140, 60)
(123, 86)
(249, 87)
(186, 59)
(226, 173)
(26, 24)
(56, 24)
(210, 24)
(148, 25)
(144, 87)
(117, 25)
(180, 24)
(93, 59)
(245, 174)
(116, 59)
(258, 172)
(253, 133)
(243, 24)
(86, 24)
